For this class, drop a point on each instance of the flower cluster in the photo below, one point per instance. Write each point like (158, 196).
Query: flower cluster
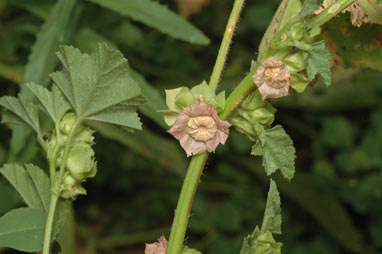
(253, 110)
(80, 163)
(193, 115)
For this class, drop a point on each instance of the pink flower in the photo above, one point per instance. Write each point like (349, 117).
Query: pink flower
(157, 247)
(272, 78)
(198, 128)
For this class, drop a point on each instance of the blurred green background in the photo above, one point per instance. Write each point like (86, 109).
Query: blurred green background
(334, 203)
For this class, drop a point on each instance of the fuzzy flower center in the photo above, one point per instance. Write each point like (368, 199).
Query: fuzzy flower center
(201, 128)
(274, 77)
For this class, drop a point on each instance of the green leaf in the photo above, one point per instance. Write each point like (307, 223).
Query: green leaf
(250, 241)
(55, 31)
(187, 250)
(277, 150)
(21, 111)
(23, 229)
(260, 243)
(272, 214)
(31, 183)
(310, 6)
(53, 101)
(99, 86)
(153, 14)
(318, 59)
(354, 46)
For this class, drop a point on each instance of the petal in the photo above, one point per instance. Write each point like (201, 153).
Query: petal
(199, 108)
(258, 76)
(213, 143)
(267, 91)
(222, 135)
(179, 129)
(192, 147)
(222, 125)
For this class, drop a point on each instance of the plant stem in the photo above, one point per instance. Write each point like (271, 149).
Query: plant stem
(49, 222)
(224, 47)
(330, 12)
(186, 198)
(195, 169)
(55, 193)
(238, 95)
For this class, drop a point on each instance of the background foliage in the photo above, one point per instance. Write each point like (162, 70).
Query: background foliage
(334, 203)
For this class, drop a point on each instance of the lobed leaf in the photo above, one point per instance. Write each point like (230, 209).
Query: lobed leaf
(23, 229)
(99, 86)
(53, 101)
(277, 150)
(21, 111)
(158, 16)
(31, 183)
(318, 59)
(272, 214)
(352, 46)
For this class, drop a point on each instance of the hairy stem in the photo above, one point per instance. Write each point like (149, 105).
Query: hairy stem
(330, 12)
(49, 222)
(224, 46)
(195, 169)
(186, 198)
(55, 193)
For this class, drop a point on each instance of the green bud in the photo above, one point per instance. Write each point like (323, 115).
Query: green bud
(71, 188)
(253, 101)
(267, 244)
(252, 111)
(80, 163)
(297, 32)
(67, 122)
(243, 126)
(85, 135)
(296, 62)
(299, 82)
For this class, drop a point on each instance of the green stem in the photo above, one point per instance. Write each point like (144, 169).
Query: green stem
(49, 222)
(238, 95)
(224, 47)
(195, 169)
(55, 193)
(186, 198)
(330, 12)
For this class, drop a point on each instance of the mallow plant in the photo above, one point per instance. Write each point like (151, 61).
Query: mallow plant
(99, 87)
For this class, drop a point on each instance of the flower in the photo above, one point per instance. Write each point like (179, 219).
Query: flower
(272, 79)
(198, 128)
(157, 247)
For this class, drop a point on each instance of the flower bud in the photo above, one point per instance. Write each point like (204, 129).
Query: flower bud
(80, 163)
(70, 188)
(297, 32)
(67, 122)
(85, 135)
(253, 110)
